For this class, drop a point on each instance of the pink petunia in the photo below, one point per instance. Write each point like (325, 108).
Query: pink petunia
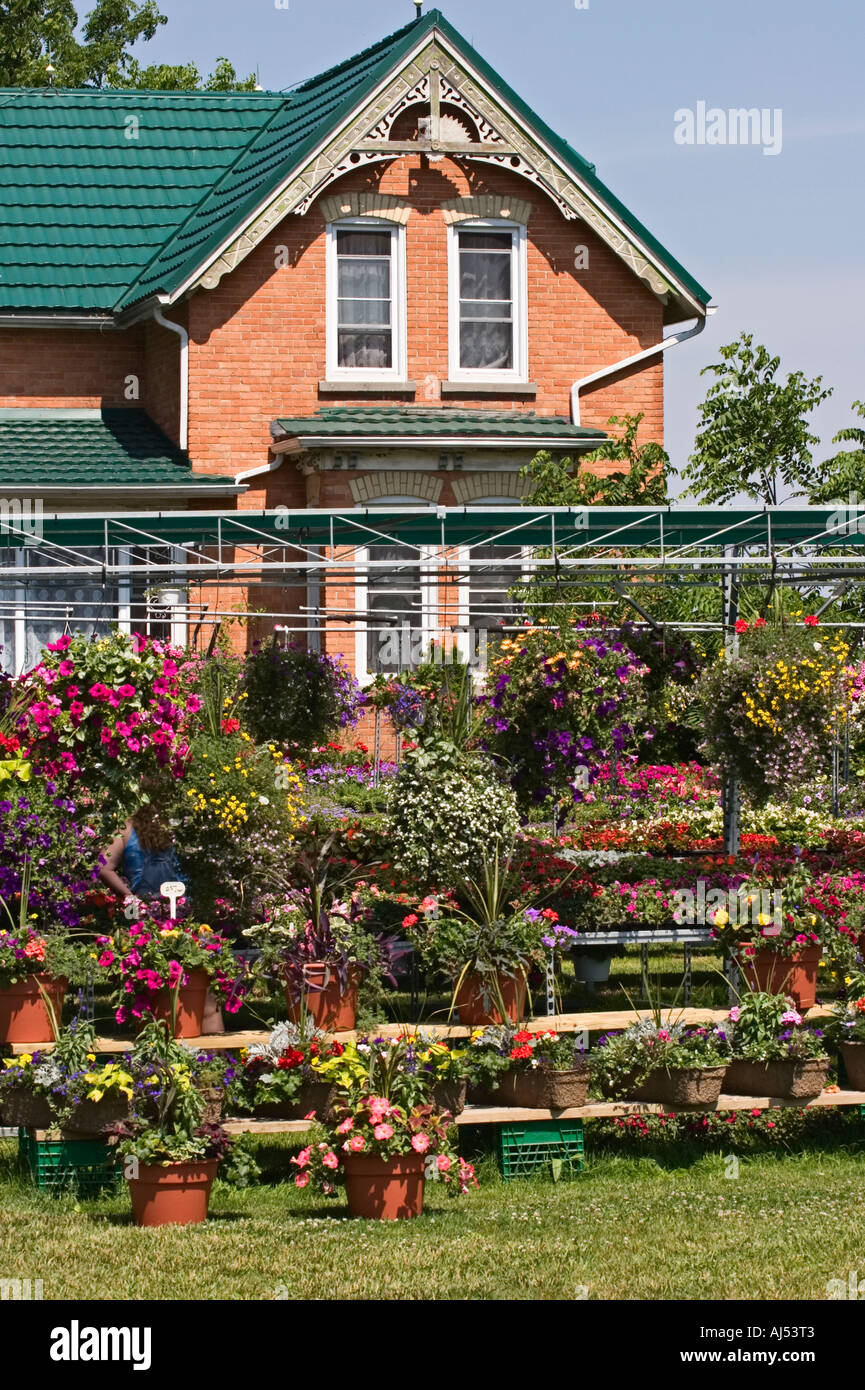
(383, 1131)
(443, 1163)
(330, 1160)
(420, 1143)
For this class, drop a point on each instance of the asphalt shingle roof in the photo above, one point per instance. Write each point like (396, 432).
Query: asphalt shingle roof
(114, 450)
(421, 422)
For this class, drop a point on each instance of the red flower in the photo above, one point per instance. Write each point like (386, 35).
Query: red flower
(741, 625)
(811, 621)
(523, 1037)
(759, 622)
(290, 1059)
(521, 1054)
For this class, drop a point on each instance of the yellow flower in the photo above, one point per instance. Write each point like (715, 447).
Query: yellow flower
(721, 918)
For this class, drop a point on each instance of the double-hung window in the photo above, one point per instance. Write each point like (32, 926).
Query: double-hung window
(366, 301)
(488, 308)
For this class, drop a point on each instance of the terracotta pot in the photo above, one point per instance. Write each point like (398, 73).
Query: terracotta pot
(190, 1005)
(23, 1015)
(780, 1080)
(854, 1061)
(331, 1009)
(451, 1096)
(774, 973)
(539, 1089)
(20, 1106)
(97, 1117)
(381, 1189)
(685, 1086)
(175, 1194)
(474, 1011)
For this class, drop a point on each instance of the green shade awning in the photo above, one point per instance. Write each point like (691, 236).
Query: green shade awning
(671, 535)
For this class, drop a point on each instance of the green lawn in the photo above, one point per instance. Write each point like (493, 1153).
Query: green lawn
(661, 1224)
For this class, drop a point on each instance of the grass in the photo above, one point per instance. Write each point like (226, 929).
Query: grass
(664, 1223)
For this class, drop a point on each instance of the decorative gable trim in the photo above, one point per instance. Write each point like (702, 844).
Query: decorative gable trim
(378, 205)
(396, 484)
(487, 206)
(434, 75)
(472, 486)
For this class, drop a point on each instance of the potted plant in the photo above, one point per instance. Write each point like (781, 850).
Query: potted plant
(277, 1079)
(488, 1059)
(666, 1062)
(774, 1053)
(485, 945)
(35, 967)
(316, 936)
(163, 968)
(67, 1088)
(170, 1155)
(548, 1072)
(386, 1135)
(448, 1070)
(847, 1031)
(780, 953)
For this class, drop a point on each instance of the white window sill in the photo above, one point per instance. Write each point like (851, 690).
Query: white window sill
(367, 387)
(490, 387)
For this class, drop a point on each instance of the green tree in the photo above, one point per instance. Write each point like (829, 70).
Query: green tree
(844, 474)
(754, 437)
(556, 483)
(39, 45)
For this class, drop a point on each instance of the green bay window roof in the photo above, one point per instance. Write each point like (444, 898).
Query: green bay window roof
(108, 198)
(101, 452)
(373, 425)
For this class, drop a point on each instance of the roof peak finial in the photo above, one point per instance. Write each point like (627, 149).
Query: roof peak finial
(418, 4)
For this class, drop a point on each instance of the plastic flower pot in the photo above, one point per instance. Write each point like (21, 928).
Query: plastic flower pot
(591, 969)
(23, 1015)
(854, 1062)
(190, 1005)
(331, 1009)
(384, 1189)
(541, 1089)
(785, 1080)
(450, 1095)
(774, 973)
(173, 1194)
(477, 1004)
(699, 1086)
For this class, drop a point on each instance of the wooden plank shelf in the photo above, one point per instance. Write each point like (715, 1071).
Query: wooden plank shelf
(596, 1110)
(609, 1021)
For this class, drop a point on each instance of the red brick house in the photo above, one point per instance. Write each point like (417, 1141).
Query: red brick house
(393, 283)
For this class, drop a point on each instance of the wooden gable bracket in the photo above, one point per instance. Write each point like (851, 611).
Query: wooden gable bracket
(435, 77)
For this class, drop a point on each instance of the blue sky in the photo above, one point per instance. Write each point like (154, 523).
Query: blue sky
(777, 239)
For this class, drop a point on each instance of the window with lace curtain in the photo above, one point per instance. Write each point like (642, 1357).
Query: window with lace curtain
(366, 301)
(488, 309)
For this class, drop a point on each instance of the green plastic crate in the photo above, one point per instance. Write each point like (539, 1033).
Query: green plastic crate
(56, 1165)
(554, 1146)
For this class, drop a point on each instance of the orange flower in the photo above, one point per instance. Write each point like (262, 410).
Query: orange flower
(35, 950)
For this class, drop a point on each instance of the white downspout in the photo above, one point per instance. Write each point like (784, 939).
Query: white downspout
(672, 341)
(184, 372)
(258, 471)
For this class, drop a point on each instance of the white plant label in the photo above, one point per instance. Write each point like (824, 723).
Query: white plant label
(172, 891)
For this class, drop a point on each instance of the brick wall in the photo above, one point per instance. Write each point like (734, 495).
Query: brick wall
(44, 367)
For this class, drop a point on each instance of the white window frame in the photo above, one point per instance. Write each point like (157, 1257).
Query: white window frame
(399, 370)
(519, 373)
(464, 585)
(429, 584)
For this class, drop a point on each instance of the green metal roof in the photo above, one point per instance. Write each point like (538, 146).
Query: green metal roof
(416, 422)
(109, 451)
(567, 530)
(97, 213)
